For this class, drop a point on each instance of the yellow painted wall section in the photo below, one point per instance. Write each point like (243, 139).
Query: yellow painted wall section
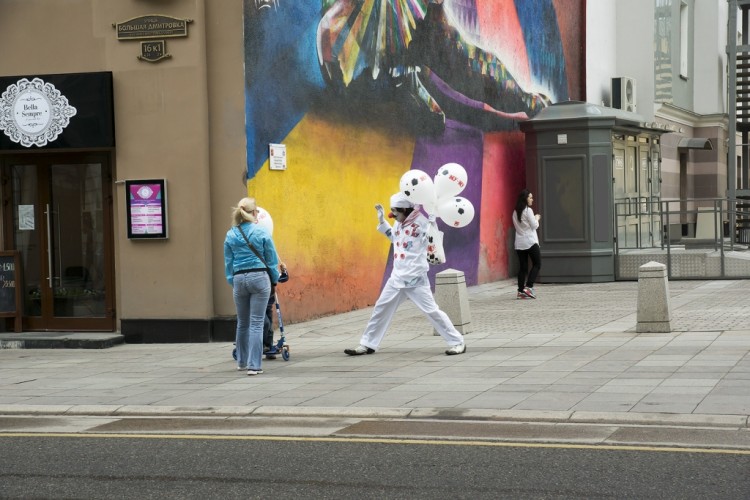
(323, 212)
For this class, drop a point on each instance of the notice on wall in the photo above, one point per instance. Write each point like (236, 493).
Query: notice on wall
(8, 283)
(10, 286)
(619, 163)
(147, 209)
(25, 217)
(277, 157)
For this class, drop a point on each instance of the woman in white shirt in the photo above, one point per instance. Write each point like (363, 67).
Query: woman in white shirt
(527, 244)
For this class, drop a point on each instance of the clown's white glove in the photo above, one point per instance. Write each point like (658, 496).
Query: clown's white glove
(381, 213)
(431, 218)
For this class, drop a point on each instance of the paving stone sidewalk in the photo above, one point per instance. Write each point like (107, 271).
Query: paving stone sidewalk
(572, 354)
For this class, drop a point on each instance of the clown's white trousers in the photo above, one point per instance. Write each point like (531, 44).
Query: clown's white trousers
(389, 300)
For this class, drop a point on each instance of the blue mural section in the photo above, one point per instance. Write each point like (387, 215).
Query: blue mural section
(282, 75)
(541, 33)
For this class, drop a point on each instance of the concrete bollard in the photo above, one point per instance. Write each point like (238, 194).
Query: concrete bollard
(654, 311)
(453, 298)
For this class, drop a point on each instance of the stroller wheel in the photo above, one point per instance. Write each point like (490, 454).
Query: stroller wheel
(285, 353)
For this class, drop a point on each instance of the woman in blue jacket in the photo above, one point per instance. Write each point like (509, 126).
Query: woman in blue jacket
(253, 274)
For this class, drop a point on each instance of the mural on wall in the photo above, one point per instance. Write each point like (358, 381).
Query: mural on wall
(405, 52)
(361, 91)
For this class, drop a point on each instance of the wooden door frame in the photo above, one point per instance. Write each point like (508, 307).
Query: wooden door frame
(46, 158)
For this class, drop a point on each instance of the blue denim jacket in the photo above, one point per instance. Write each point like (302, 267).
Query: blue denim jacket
(238, 256)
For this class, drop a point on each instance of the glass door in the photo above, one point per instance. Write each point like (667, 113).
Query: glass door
(626, 196)
(637, 184)
(646, 212)
(60, 219)
(655, 192)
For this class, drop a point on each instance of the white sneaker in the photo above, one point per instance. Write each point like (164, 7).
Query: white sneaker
(360, 349)
(254, 372)
(456, 349)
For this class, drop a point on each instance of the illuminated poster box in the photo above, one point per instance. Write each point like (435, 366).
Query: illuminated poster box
(147, 209)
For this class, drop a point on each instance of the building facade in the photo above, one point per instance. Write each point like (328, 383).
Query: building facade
(674, 54)
(163, 114)
(65, 205)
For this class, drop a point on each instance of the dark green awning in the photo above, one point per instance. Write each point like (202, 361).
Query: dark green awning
(695, 143)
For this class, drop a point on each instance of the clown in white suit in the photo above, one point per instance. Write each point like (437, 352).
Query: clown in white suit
(408, 279)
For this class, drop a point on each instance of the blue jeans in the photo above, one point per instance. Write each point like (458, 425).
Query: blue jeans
(251, 292)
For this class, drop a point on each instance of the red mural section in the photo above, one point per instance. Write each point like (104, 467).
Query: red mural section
(503, 176)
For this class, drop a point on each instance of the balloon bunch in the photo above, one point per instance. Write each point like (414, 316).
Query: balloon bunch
(439, 198)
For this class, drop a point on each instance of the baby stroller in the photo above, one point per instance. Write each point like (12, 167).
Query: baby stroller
(281, 346)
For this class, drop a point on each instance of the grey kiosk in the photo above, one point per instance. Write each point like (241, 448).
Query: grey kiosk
(595, 175)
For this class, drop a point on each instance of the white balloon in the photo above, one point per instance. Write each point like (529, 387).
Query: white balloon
(418, 187)
(456, 211)
(265, 221)
(450, 180)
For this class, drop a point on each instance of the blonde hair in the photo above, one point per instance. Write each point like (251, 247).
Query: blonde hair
(244, 212)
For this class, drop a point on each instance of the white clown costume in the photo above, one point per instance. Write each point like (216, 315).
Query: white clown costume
(408, 280)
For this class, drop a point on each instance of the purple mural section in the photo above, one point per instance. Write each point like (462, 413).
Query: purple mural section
(460, 144)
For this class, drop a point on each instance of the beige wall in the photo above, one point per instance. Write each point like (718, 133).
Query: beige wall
(227, 156)
(181, 119)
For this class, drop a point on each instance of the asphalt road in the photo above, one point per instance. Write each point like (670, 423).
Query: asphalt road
(199, 466)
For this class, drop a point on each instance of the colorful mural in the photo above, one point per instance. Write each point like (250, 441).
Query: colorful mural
(361, 91)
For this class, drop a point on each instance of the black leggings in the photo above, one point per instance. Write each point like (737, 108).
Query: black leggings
(523, 260)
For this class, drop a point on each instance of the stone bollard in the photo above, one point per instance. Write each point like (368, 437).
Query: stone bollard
(654, 312)
(453, 298)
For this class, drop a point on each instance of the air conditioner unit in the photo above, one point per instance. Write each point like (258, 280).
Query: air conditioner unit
(623, 93)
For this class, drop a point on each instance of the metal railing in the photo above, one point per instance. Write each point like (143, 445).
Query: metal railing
(701, 224)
